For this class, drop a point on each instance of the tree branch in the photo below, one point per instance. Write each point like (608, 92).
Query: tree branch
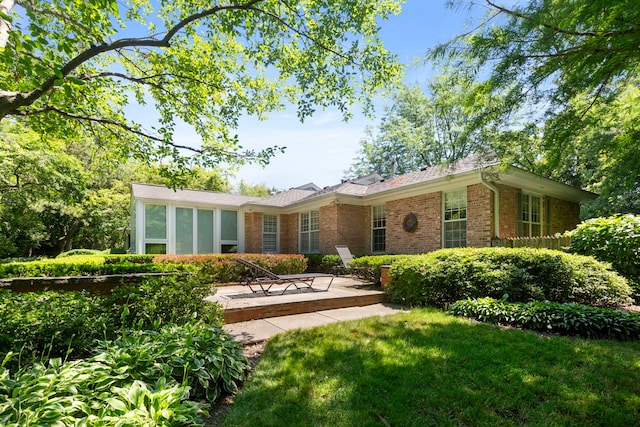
(28, 5)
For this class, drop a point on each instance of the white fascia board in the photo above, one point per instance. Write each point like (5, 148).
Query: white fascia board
(530, 182)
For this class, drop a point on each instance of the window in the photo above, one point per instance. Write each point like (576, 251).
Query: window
(454, 227)
(205, 231)
(378, 228)
(310, 232)
(184, 230)
(155, 229)
(529, 215)
(270, 234)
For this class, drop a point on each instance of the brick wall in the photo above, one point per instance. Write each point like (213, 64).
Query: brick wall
(289, 233)
(564, 215)
(253, 232)
(328, 228)
(480, 228)
(508, 211)
(428, 234)
(354, 229)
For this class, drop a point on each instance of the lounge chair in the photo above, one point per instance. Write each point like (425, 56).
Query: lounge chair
(259, 279)
(362, 273)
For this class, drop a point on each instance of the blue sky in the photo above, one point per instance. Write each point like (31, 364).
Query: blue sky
(322, 148)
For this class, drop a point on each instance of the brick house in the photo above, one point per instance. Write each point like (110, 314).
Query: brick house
(465, 204)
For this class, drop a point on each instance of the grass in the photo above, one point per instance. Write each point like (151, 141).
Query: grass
(425, 368)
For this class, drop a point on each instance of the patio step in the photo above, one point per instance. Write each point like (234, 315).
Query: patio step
(276, 308)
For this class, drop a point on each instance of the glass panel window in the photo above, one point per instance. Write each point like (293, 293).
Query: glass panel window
(269, 233)
(455, 219)
(229, 225)
(155, 248)
(184, 230)
(155, 222)
(310, 232)
(378, 228)
(205, 231)
(530, 216)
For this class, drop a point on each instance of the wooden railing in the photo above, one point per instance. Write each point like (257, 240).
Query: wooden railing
(557, 242)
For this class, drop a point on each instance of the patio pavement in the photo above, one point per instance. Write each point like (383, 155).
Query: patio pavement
(352, 299)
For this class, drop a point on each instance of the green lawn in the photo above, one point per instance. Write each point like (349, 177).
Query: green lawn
(428, 368)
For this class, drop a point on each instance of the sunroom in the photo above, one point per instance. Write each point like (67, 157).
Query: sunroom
(167, 221)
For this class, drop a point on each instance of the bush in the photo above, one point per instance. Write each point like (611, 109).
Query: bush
(221, 268)
(49, 324)
(144, 378)
(563, 318)
(74, 252)
(524, 274)
(615, 239)
(374, 262)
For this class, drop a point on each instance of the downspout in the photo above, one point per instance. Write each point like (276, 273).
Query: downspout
(496, 203)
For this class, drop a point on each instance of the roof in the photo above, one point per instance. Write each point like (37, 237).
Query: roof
(373, 185)
(159, 192)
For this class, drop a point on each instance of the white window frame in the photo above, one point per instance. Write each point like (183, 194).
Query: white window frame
(526, 215)
(267, 231)
(310, 219)
(454, 215)
(155, 241)
(378, 222)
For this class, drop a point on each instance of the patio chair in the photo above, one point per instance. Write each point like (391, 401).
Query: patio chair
(362, 273)
(259, 279)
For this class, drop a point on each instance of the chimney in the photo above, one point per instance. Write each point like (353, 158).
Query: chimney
(393, 168)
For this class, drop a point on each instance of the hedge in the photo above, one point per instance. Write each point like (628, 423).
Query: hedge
(563, 318)
(524, 274)
(615, 239)
(218, 267)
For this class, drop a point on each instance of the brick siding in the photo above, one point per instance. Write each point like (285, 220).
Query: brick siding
(564, 215)
(428, 234)
(253, 232)
(480, 227)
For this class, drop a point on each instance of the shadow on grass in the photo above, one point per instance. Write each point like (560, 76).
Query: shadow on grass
(428, 368)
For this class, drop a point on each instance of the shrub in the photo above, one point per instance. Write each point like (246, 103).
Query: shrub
(524, 274)
(144, 378)
(74, 252)
(374, 262)
(38, 325)
(615, 239)
(221, 268)
(564, 318)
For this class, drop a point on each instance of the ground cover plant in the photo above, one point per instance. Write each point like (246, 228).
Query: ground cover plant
(524, 274)
(425, 367)
(38, 325)
(563, 318)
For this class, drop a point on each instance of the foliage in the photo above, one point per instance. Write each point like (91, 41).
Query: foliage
(221, 268)
(564, 318)
(615, 239)
(257, 190)
(424, 129)
(74, 252)
(203, 357)
(374, 262)
(144, 378)
(41, 187)
(63, 324)
(175, 299)
(524, 274)
(67, 68)
(424, 367)
(548, 53)
(84, 265)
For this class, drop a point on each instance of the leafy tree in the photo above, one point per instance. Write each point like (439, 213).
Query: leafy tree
(425, 129)
(74, 66)
(259, 190)
(544, 55)
(41, 188)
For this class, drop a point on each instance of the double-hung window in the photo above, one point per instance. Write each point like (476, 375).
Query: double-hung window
(378, 229)
(310, 232)
(454, 224)
(270, 234)
(529, 215)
